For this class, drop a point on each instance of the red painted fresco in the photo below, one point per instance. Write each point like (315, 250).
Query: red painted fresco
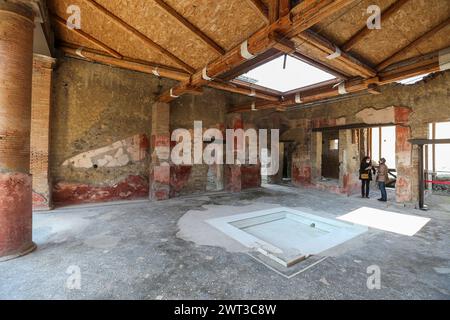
(402, 115)
(179, 177)
(161, 174)
(133, 187)
(403, 189)
(15, 214)
(302, 175)
(40, 202)
(238, 123)
(144, 143)
(323, 123)
(160, 141)
(250, 176)
(233, 178)
(403, 136)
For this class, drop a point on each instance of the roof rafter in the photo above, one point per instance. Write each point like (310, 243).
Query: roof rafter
(186, 23)
(383, 65)
(88, 37)
(363, 32)
(343, 58)
(149, 42)
(260, 8)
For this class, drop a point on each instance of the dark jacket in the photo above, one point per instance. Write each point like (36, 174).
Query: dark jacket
(364, 169)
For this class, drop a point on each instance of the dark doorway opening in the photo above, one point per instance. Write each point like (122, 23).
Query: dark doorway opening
(330, 154)
(287, 161)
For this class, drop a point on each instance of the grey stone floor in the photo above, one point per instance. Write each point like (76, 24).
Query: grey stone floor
(130, 251)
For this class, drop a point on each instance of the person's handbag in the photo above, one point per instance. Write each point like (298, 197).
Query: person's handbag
(364, 176)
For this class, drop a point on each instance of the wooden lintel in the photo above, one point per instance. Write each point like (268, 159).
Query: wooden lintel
(374, 89)
(251, 92)
(194, 91)
(125, 63)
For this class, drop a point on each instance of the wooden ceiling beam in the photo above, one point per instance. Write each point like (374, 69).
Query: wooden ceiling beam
(260, 42)
(363, 32)
(273, 10)
(322, 66)
(310, 12)
(126, 63)
(245, 67)
(343, 58)
(188, 25)
(149, 42)
(259, 7)
(88, 37)
(433, 62)
(251, 92)
(284, 7)
(383, 65)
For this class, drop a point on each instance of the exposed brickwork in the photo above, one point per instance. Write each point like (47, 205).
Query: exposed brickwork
(16, 47)
(40, 130)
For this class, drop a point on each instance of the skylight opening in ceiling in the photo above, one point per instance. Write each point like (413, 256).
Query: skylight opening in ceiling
(413, 80)
(297, 74)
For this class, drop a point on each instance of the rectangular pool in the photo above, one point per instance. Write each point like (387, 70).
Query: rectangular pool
(285, 235)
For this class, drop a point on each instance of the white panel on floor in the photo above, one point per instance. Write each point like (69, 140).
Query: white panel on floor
(387, 221)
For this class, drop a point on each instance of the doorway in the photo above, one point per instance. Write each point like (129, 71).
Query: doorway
(330, 154)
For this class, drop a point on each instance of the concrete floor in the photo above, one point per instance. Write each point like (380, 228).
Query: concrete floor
(130, 251)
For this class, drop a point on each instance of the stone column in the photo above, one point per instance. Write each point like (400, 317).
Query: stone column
(403, 187)
(16, 59)
(160, 165)
(40, 129)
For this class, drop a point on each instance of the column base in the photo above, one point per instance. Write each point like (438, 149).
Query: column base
(28, 249)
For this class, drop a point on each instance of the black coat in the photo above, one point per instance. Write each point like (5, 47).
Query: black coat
(363, 169)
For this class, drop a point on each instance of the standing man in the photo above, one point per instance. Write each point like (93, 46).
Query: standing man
(382, 179)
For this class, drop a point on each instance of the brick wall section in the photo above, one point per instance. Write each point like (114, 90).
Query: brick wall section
(40, 130)
(210, 108)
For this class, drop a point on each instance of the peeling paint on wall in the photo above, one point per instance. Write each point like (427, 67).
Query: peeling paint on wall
(118, 154)
(377, 116)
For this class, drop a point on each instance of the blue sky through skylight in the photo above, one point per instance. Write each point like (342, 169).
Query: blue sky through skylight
(297, 74)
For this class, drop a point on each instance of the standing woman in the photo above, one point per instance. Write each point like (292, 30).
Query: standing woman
(383, 179)
(365, 175)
